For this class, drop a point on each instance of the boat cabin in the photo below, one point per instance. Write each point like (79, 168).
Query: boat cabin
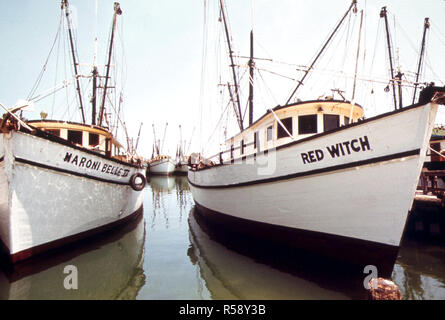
(285, 124)
(91, 137)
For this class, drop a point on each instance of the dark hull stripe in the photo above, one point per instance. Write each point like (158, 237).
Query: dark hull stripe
(78, 174)
(31, 252)
(347, 250)
(313, 172)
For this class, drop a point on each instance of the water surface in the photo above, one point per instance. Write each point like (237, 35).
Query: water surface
(171, 253)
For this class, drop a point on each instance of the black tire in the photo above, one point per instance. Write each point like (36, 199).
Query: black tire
(136, 186)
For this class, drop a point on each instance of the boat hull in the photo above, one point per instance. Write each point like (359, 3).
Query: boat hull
(162, 167)
(53, 193)
(181, 169)
(351, 206)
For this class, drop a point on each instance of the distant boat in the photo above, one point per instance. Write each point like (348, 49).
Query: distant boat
(162, 165)
(316, 176)
(181, 167)
(62, 181)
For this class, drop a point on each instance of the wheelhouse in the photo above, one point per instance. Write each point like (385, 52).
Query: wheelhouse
(91, 137)
(285, 124)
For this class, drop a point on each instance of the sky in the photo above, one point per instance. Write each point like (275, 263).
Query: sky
(172, 67)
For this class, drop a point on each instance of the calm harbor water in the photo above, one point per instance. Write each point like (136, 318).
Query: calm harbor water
(170, 253)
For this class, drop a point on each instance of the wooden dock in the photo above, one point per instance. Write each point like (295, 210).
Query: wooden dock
(426, 220)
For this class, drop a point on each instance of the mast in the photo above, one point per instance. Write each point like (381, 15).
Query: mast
(163, 138)
(94, 96)
(353, 5)
(426, 26)
(388, 42)
(155, 145)
(357, 57)
(232, 65)
(117, 11)
(251, 65)
(95, 74)
(65, 6)
(137, 140)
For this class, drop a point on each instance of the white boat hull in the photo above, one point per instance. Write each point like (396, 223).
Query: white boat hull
(305, 196)
(162, 167)
(181, 169)
(52, 193)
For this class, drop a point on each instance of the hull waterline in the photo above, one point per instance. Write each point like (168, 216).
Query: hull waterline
(351, 205)
(53, 193)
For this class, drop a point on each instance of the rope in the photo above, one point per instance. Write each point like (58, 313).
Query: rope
(438, 153)
(281, 124)
(36, 84)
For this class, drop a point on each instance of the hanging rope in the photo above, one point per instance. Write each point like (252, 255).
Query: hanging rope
(39, 78)
(438, 153)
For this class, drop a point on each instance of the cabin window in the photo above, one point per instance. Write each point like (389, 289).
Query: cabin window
(231, 151)
(269, 133)
(75, 136)
(331, 121)
(346, 121)
(307, 124)
(242, 146)
(54, 132)
(256, 140)
(93, 139)
(281, 132)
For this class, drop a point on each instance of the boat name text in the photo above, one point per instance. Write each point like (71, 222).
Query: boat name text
(337, 150)
(83, 162)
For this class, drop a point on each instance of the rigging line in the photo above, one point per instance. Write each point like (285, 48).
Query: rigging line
(203, 70)
(353, 4)
(379, 25)
(51, 91)
(61, 39)
(346, 32)
(275, 73)
(437, 32)
(39, 78)
(218, 123)
(267, 88)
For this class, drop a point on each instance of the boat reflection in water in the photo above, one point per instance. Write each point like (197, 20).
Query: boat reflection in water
(235, 269)
(419, 271)
(160, 184)
(110, 267)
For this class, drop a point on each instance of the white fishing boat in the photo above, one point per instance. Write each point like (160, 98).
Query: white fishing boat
(62, 181)
(162, 165)
(315, 175)
(181, 168)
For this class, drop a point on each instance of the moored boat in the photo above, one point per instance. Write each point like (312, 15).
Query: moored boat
(316, 175)
(161, 165)
(62, 181)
